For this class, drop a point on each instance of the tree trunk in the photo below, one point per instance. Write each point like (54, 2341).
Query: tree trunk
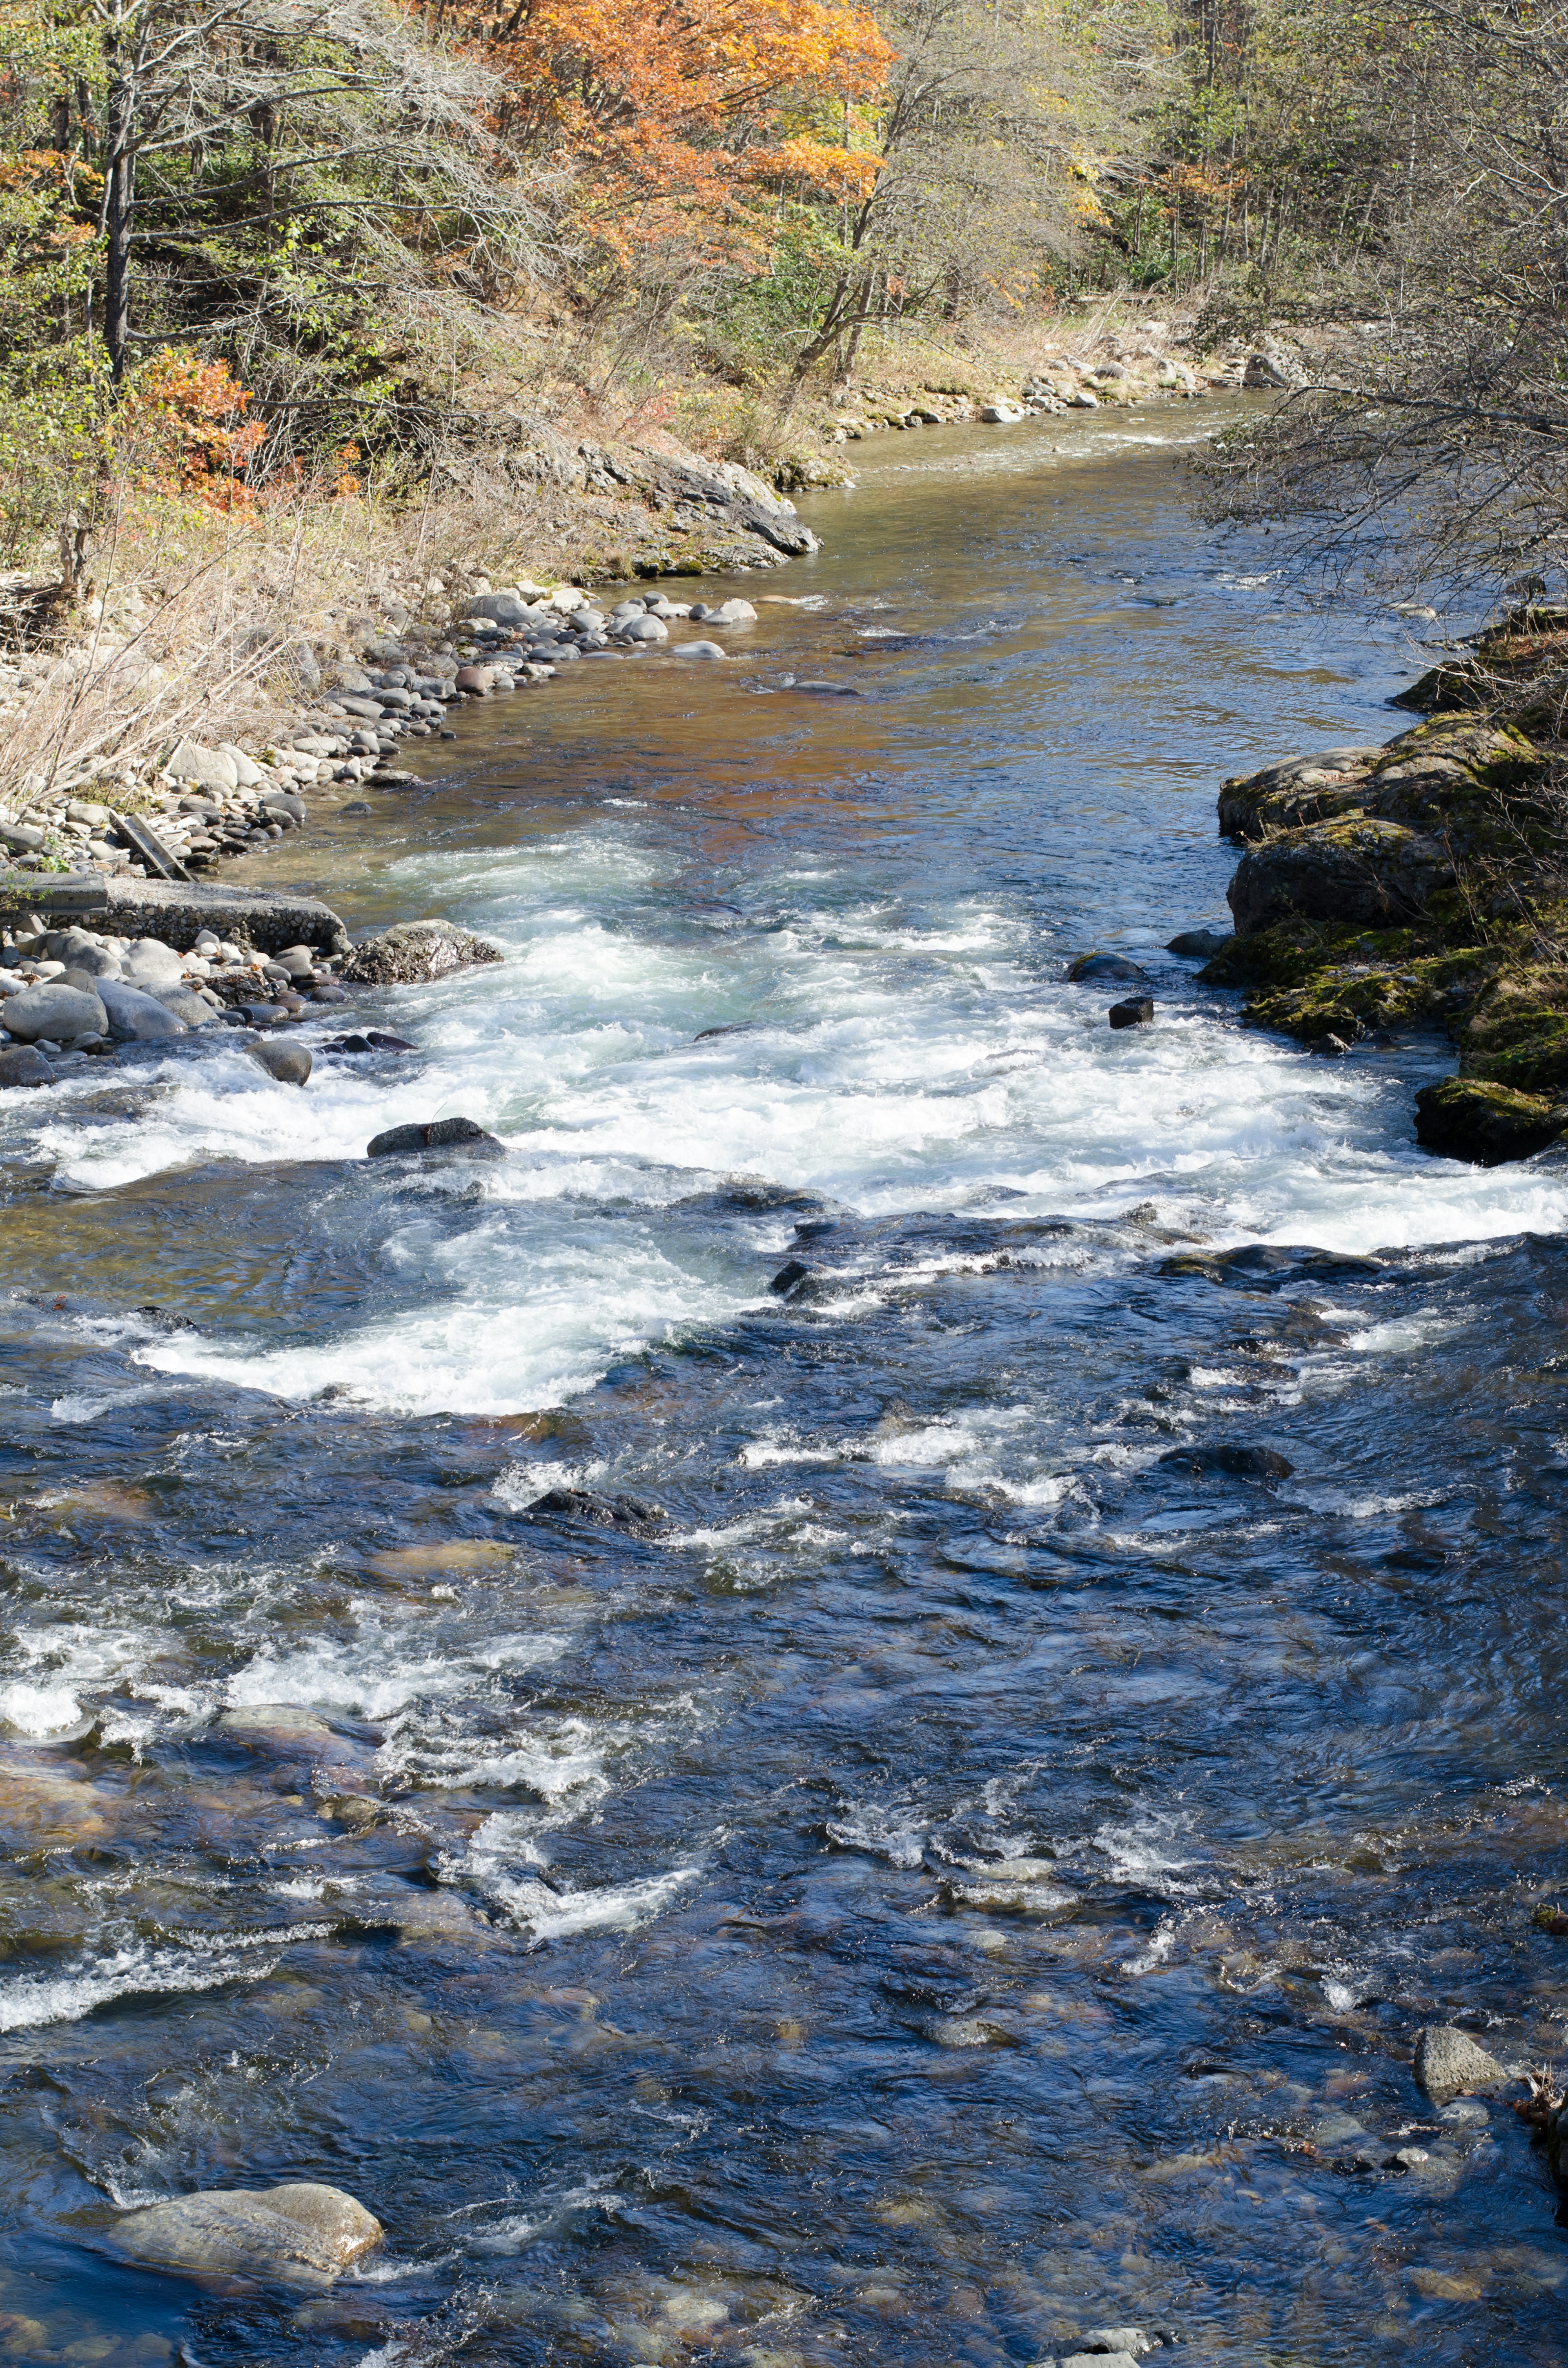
(118, 193)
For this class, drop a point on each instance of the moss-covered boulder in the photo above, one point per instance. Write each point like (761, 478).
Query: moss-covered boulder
(1286, 796)
(1467, 1118)
(1355, 872)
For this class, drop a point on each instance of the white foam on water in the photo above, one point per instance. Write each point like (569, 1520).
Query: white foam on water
(139, 1969)
(892, 1061)
(548, 1913)
(38, 1710)
(384, 1669)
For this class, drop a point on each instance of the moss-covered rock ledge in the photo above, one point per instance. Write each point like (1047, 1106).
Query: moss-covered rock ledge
(1423, 884)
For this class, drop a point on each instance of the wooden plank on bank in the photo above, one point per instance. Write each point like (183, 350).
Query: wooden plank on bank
(150, 847)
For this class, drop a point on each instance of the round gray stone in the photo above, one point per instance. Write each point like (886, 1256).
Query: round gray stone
(54, 1011)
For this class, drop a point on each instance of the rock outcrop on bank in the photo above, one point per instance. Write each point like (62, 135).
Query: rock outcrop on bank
(1423, 884)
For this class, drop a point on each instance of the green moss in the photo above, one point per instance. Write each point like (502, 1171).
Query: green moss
(1466, 1118)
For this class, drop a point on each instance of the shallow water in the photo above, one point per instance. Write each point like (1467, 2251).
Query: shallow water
(966, 1864)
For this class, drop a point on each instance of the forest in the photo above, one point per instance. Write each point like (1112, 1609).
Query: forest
(262, 253)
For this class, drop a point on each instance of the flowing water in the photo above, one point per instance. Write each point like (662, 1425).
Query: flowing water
(861, 1826)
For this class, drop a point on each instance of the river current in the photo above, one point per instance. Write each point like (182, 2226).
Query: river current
(862, 1826)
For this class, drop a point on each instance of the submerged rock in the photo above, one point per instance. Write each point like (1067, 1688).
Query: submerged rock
(1084, 967)
(435, 1134)
(604, 1512)
(1449, 2064)
(303, 2232)
(1199, 945)
(415, 952)
(1238, 1463)
(1467, 1118)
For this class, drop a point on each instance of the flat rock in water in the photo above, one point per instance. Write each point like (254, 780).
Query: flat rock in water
(303, 2232)
(273, 1718)
(1449, 2064)
(415, 952)
(58, 1014)
(435, 1134)
(20, 1065)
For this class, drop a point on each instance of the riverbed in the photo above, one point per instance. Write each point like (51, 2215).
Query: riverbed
(873, 1822)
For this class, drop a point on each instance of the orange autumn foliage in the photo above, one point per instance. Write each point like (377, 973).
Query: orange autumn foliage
(186, 420)
(670, 119)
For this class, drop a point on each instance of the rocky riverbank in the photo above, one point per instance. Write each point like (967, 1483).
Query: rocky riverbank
(1422, 885)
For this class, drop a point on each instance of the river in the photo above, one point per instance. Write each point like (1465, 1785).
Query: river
(963, 1864)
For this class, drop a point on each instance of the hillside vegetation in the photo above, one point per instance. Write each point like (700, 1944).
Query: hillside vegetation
(293, 289)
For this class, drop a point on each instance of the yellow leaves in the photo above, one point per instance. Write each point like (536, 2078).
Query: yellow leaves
(834, 172)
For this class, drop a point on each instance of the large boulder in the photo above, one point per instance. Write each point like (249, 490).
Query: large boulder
(304, 2233)
(1356, 872)
(190, 762)
(23, 1065)
(1467, 1118)
(134, 1017)
(149, 963)
(415, 952)
(59, 1014)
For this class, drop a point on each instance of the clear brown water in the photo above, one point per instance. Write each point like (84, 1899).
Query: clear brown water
(960, 1880)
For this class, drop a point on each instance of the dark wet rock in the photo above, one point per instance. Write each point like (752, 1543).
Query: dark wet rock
(1466, 1118)
(1136, 1012)
(289, 1064)
(790, 1275)
(1086, 967)
(370, 1040)
(602, 1512)
(22, 1065)
(1269, 1266)
(302, 2233)
(435, 1134)
(415, 952)
(1449, 2063)
(55, 1013)
(362, 805)
(1199, 945)
(1358, 872)
(1236, 1463)
(326, 990)
(1327, 1047)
